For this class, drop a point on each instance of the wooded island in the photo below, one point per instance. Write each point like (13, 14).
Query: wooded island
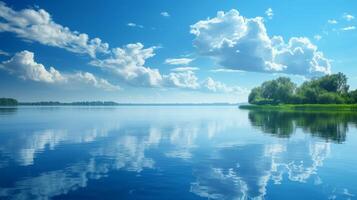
(329, 89)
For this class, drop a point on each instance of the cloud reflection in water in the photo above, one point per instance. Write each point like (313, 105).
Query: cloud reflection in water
(228, 159)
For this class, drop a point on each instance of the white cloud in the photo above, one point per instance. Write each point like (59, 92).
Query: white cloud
(178, 61)
(183, 69)
(332, 21)
(90, 79)
(317, 37)
(269, 13)
(302, 58)
(186, 79)
(165, 14)
(225, 70)
(23, 65)
(348, 28)
(4, 53)
(240, 43)
(131, 24)
(348, 17)
(37, 25)
(217, 86)
(128, 63)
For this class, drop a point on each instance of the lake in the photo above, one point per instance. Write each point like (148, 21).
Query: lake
(176, 152)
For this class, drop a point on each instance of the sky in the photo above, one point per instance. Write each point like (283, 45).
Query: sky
(170, 51)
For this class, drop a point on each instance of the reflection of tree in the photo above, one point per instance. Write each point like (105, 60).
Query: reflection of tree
(7, 110)
(328, 125)
(277, 123)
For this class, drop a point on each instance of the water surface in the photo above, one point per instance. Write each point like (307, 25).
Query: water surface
(168, 152)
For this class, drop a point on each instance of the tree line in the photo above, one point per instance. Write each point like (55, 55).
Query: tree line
(8, 102)
(79, 103)
(329, 89)
(14, 102)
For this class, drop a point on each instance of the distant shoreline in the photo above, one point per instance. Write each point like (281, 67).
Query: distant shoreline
(124, 104)
(302, 107)
(10, 102)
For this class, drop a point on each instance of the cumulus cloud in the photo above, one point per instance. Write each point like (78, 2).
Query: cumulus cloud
(241, 43)
(183, 69)
(90, 79)
(128, 62)
(38, 26)
(348, 17)
(178, 61)
(24, 66)
(269, 13)
(186, 79)
(217, 86)
(301, 57)
(165, 14)
(348, 28)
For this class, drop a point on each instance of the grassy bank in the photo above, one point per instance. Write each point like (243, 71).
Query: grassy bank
(305, 107)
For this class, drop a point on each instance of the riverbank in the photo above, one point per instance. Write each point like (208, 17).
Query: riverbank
(305, 107)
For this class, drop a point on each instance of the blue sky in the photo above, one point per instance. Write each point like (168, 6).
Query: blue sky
(169, 51)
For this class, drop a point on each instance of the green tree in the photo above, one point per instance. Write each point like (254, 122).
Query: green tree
(329, 89)
(308, 92)
(276, 91)
(255, 95)
(334, 83)
(330, 98)
(353, 96)
(8, 102)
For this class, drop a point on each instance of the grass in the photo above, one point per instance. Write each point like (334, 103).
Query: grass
(305, 107)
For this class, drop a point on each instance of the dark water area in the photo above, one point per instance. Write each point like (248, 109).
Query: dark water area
(170, 152)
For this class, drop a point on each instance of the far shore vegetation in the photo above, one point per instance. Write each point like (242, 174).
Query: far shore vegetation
(302, 107)
(14, 102)
(327, 92)
(8, 102)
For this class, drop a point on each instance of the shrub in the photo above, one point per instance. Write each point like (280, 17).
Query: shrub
(330, 98)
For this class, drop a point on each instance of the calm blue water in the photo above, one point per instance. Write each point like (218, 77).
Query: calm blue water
(176, 153)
